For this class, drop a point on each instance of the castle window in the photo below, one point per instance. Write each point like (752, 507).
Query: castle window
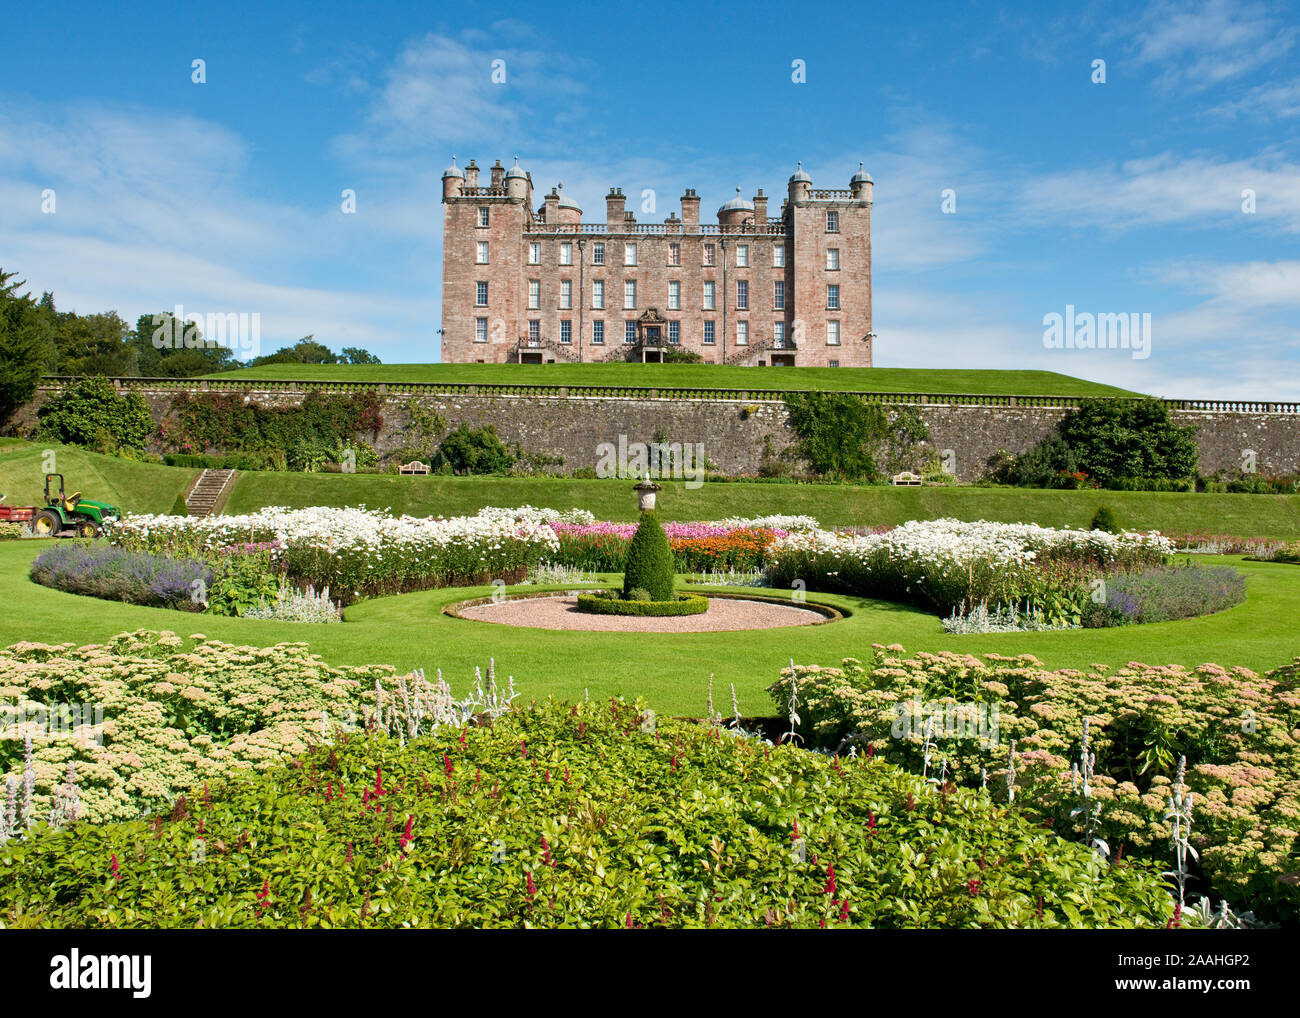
(566, 254)
(710, 254)
(629, 254)
(598, 332)
(598, 254)
(598, 293)
(566, 293)
(480, 330)
(742, 294)
(742, 333)
(483, 213)
(832, 222)
(480, 294)
(566, 331)
(778, 335)
(833, 297)
(833, 259)
(832, 333)
(832, 364)
(742, 256)
(674, 254)
(778, 295)
(482, 252)
(708, 333)
(534, 331)
(674, 332)
(674, 295)
(708, 295)
(629, 294)
(629, 331)
(534, 254)
(534, 294)
(778, 256)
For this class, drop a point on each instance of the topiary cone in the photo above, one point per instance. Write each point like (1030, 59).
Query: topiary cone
(650, 563)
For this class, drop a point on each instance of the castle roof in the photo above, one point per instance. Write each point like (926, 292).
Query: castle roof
(800, 174)
(736, 203)
(453, 170)
(515, 171)
(861, 177)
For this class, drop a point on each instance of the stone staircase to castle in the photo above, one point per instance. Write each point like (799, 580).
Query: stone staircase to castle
(204, 497)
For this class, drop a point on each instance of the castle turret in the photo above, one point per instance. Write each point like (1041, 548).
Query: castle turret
(452, 179)
(736, 211)
(861, 185)
(800, 184)
(516, 181)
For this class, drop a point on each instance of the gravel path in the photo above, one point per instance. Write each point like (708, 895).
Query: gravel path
(724, 615)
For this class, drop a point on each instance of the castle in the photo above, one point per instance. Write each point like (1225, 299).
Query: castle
(536, 284)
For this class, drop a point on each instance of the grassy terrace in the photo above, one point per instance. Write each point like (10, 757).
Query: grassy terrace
(921, 380)
(670, 670)
(146, 487)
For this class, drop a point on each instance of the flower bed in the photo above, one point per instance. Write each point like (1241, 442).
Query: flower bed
(697, 547)
(117, 574)
(572, 816)
(171, 718)
(1236, 730)
(1165, 594)
(358, 552)
(948, 565)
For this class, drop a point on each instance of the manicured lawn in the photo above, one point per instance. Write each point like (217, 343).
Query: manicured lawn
(132, 486)
(149, 487)
(833, 505)
(922, 380)
(671, 672)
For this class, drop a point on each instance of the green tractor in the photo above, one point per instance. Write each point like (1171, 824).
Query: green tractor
(70, 514)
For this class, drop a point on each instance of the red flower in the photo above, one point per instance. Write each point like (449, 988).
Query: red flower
(523, 748)
(794, 834)
(446, 764)
(974, 887)
(379, 781)
(406, 834)
(264, 895)
(830, 879)
(844, 910)
(532, 888)
(546, 852)
(112, 867)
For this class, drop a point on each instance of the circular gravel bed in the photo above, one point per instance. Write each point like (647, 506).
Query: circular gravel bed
(560, 611)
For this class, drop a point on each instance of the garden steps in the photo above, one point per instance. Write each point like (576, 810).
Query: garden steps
(203, 498)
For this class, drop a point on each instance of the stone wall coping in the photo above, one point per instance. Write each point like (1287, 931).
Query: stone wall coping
(569, 391)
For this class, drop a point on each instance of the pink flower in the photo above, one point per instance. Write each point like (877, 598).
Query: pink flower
(406, 834)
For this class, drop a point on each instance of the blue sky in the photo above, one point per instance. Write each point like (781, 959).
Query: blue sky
(1119, 197)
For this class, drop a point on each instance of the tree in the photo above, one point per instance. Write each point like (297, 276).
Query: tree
(650, 565)
(355, 355)
(91, 413)
(166, 348)
(23, 347)
(1115, 438)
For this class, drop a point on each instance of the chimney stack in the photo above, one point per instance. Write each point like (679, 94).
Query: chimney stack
(471, 174)
(690, 208)
(614, 202)
(760, 210)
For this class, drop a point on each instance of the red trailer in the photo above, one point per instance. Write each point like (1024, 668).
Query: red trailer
(16, 513)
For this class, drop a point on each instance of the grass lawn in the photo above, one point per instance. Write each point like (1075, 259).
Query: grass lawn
(922, 380)
(833, 505)
(149, 487)
(671, 672)
(131, 486)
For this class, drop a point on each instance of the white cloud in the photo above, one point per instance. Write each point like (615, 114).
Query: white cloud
(1205, 44)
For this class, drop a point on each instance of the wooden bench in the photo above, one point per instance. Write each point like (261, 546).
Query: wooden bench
(907, 479)
(414, 467)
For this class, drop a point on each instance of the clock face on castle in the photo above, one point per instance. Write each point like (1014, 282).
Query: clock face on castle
(523, 275)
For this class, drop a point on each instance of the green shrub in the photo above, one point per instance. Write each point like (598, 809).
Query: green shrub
(468, 450)
(179, 508)
(638, 594)
(1104, 519)
(609, 603)
(839, 433)
(1128, 438)
(572, 816)
(650, 564)
(90, 413)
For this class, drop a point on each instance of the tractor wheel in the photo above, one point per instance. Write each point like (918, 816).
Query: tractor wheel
(46, 524)
(87, 528)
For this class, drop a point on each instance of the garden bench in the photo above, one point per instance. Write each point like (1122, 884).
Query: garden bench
(414, 467)
(907, 479)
